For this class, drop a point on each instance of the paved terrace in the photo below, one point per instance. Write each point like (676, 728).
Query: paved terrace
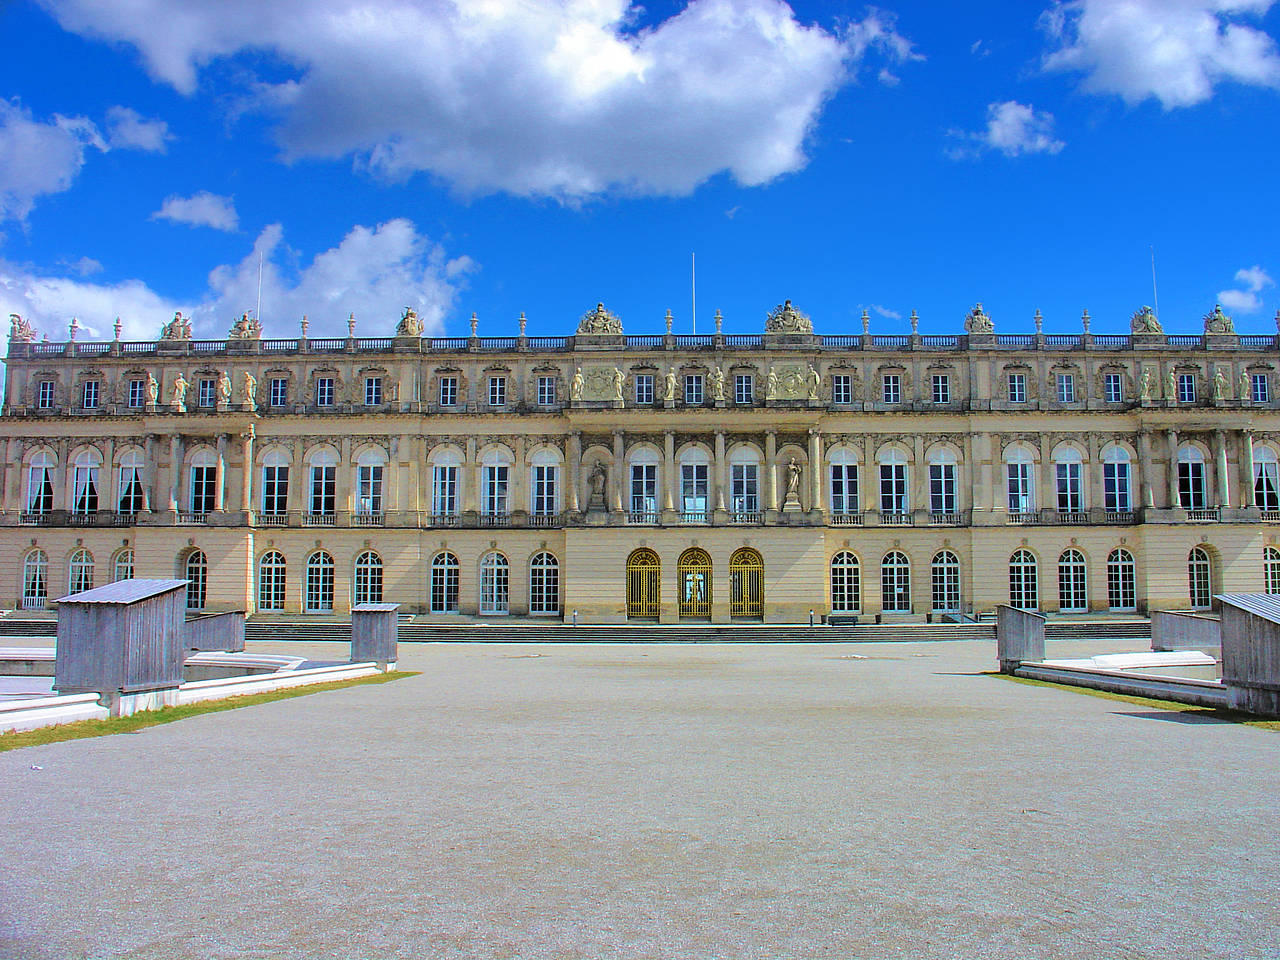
(672, 801)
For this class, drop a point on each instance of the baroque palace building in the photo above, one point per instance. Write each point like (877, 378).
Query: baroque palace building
(655, 477)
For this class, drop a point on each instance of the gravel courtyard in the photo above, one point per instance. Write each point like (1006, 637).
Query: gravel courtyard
(665, 801)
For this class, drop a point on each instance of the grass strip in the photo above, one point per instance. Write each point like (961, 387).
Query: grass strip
(1200, 713)
(16, 739)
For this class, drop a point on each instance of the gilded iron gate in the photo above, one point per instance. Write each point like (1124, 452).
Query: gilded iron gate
(746, 584)
(644, 583)
(694, 572)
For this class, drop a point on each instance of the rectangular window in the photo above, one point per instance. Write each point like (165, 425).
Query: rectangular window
(84, 499)
(893, 488)
(324, 391)
(1260, 388)
(1113, 387)
(205, 392)
(279, 394)
(1186, 388)
(1017, 388)
(275, 490)
(323, 487)
(130, 487)
(941, 388)
(744, 388)
(841, 388)
(40, 489)
(444, 491)
(693, 488)
(546, 391)
(89, 395)
(369, 489)
(495, 491)
(942, 488)
(137, 392)
(644, 489)
(44, 396)
(544, 491)
(448, 391)
(744, 486)
(204, 482)
(1066, 388)
(1019, 486)
(693, 389)
(1070, 498)
(1115, 487)
(844, 488)
(644, 388)
(891, 388)
(497, 391)
(372, 391)
(1191, 484)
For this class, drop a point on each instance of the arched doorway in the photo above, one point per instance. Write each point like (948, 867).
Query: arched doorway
(644, 580)
(694, 577)
(746, 584)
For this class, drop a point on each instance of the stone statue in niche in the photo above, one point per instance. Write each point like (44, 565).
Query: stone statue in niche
(1171, 386)
(598, 479)
(224, 389)
(815, 382)
(619, 379)
(1246, 386)
(1144, 385)
(717, 384)
(250, 391)
(178, 398)
(671, 384)
(771, 385)
(153, 389)
(576, 385)
(1220, 385)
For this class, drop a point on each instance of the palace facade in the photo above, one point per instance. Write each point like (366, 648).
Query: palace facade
(655, 477)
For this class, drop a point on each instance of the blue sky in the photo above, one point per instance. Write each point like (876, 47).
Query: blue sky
(503, 156)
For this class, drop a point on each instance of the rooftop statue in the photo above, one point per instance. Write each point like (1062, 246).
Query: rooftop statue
(976, 321)
(179, 328)
(1218, 322)
(246, 328)
(600, 320)
(1145, 321)
(409, 325)
(20, 330)
(785, 318)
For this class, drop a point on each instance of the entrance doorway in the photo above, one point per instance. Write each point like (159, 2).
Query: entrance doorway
(746, 584)
(644, 580)
(694, 573)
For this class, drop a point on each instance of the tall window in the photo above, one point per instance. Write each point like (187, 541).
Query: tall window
(644, 388)
(841, 388)
(893, 482)
(693, 489)
(367, 583)
(84, 492)
(1019, 481)
(1113, 387)
(324, 481)
(1271, 570)
(891, 388)
(546, 391)
(448, 391)
(372, 391)
(35, 580)
(444, 583)
(544, 584)
(275, 483)
(444, 488)
(744, 389)
(318, 595)
(1023, 592)
(132, 498)
(1066, 388)
(945, 571)
(137, 392)
(844, 483)
(80, 572)
(1186, 388)
(1017, 388)
(1067, 469)
(1200, 579)
(40, 483)
(497, 391)
(942, 483)
(279, 395)
(1266, 480)
(369, 473)
(1122, 591)
(1116, 493)
(941, 388)
(1191, 486)
(324, 391)
(1260, 388)
(205, 392)
(1073, 588)
(196, 571)
(44, 395)
(493, 501)
(89, 395)
(123, 567)
(895, 583)
(271, 581)
(744, 488)
(204, 481)
(693, 389)
(545, 472)
(644, 489)
(494, 584)
(846, 583)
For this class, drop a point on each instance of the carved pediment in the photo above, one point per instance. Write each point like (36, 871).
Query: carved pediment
(785, 318)
(600, 321)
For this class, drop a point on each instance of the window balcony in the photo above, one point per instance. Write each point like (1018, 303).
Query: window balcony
(897, 519)
(944, 519)
(124, 518)
(1072, 516)
(1205, 515)
(82, 519)
(544, 519)
(495, 519)
(1120, 516)
(191, 516)
(695, 517)
(1021, 517)
(642, 518)
(273, 519)
(318, 519)
(1271, 516)
(846, 519)
(444, 519)
(745, 518)
(369, 519)
(35, 519)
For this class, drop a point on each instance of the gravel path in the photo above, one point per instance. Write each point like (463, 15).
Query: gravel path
(665, 801)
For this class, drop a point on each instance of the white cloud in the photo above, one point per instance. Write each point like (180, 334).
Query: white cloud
(38, 158)
(1012, 128)
(129, 130)
(886, 312)
(1253, 279)
(1172, 50)
(374, 273)
(203, 209)
(532, 97)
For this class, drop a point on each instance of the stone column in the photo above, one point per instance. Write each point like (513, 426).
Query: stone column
(1146, 488)
(1246, 469)
(148, 478)
(344, 481)
(573, 466)
(815, 472)
(470, 480)
(719, 473)
(1220, 462)
(518, 497)
(175, 471)
(12, 490)
(771, 470)
(246, 479)
(1046, 481)
(983, 494)
(918, 486)
(1171, 437)
(619, 468)
(220, 485)
(669, 471)
(391, 478)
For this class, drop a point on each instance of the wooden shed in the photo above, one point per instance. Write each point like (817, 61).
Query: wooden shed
(1251, 652)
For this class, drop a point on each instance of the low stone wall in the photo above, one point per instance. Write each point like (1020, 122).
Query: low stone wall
(1200, 693)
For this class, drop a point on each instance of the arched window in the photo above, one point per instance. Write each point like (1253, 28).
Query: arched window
(35, 580)
(945, 573)
(1067, 469)
(370, 467)
(1019, 468)
(1271, 570)
(1117, 480)
(444, 583)
(1191, 481)
(319, 592)
(271, 581)
(644, 579)
(895, 583)
(1073, 582)
(84, 483)
(1121, 581)
(123, 567)
(1266, 479)
(196, 570)
(80, 572)
(40, 483)
(544, 584)
(495, 584)
(367, 584)
(846, 583)
(693, 576)
(1200, 579)
(1023, 592)
(131, 497)
(746, 584)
